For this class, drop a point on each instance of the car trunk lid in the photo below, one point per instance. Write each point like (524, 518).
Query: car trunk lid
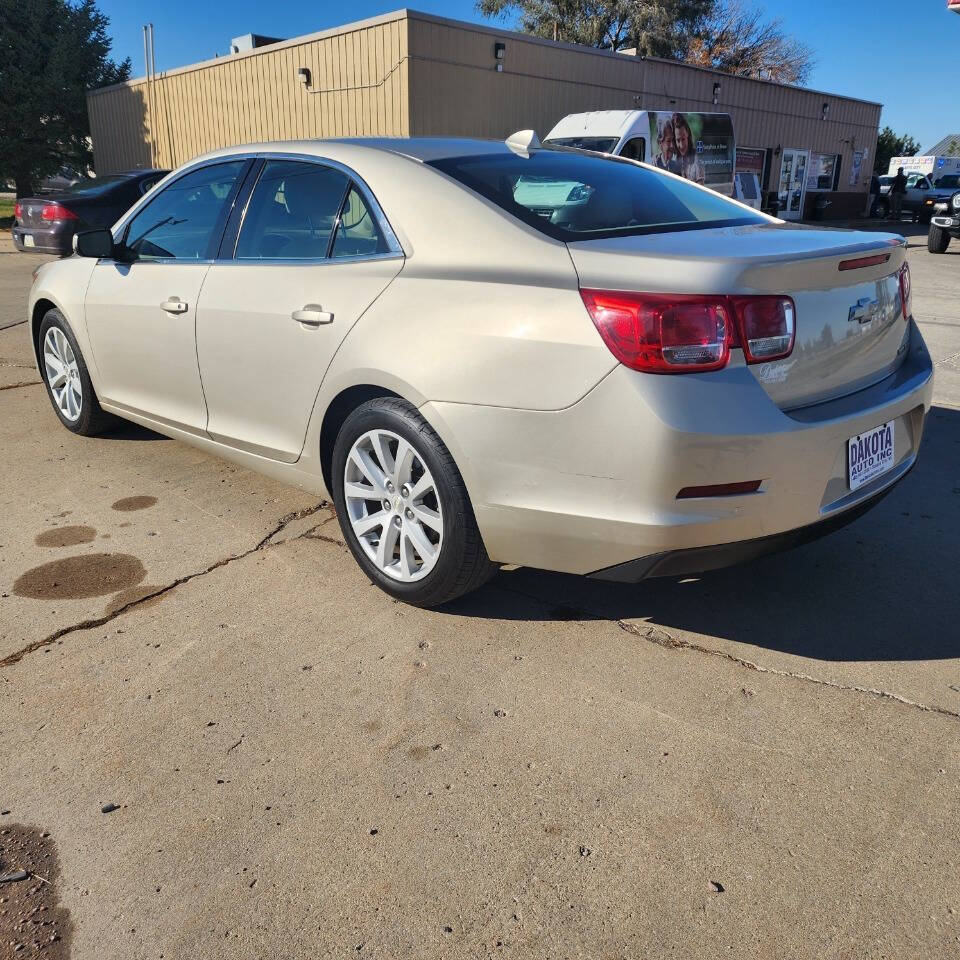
(850, 329)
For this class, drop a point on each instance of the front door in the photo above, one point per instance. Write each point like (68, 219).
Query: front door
(310, 258)
(793, 183)
(141, 312)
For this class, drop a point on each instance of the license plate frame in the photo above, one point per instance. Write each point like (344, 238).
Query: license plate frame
(28, 240)
(870, 455)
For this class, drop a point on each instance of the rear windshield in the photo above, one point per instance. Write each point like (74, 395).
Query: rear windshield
(93, 188)
(600, 144)
(576, 196)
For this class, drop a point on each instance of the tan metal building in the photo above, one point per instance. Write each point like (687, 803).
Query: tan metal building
(413, 74)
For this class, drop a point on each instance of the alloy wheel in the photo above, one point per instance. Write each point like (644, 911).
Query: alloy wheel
(63, 374)
(393, 505)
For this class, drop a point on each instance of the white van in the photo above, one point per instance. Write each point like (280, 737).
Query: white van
(698, 146)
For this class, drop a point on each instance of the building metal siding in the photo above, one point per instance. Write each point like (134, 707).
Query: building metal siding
(410, 74)
(358, 87)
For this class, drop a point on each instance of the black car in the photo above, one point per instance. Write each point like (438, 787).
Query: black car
(944, 224)
(48, 222)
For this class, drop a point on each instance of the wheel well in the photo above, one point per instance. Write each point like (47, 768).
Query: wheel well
(342, 405)
(40, 309)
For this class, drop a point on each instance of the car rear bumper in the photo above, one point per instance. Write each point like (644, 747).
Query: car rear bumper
(57, 239)
(595, 486)
(679, 563)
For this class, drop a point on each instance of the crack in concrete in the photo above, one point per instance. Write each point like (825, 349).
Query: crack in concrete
(22, 383)
(94, 622)
(7, 362)
(663, 638)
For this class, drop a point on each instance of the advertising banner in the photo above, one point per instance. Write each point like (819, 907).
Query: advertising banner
(855, 167)
(698, 146)
(820, 171)
(751, 160)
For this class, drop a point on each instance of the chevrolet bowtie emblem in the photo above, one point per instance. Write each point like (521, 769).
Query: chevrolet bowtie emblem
(863, 310)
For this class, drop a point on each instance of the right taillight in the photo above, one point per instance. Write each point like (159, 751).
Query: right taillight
(687, 333)
(767, 326)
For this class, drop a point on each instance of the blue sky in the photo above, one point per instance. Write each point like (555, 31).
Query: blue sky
(899, 54)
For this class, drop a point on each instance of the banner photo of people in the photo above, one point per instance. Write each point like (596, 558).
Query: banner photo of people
(697, 146)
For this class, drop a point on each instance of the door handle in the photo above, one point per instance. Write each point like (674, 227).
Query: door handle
(175, 305)
(313, 315)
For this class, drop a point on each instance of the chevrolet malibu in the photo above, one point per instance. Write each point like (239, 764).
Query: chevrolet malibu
(498, 353)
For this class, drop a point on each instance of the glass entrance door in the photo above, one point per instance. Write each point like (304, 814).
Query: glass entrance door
(793, 183)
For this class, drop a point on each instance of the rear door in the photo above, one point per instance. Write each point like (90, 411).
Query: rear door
(141, 314)
(313, 252)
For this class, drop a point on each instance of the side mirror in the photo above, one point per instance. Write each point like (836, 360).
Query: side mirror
(94, 243)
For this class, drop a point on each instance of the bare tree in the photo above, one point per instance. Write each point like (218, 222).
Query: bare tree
(722, 34)
(736, 39)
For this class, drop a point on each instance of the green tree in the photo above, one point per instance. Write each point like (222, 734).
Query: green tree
(722, 34)
(889, 144)
(51, 53)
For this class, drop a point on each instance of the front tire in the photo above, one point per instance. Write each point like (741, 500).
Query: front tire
(67, 380)
(937, 239)
(403, 507)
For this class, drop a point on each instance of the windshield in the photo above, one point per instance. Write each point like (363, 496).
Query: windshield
(91, 188)
(576, 196)
(885, 181)
(600, 144)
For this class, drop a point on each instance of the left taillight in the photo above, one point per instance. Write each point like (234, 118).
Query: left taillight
(17, 211)
(56, 211)
(687, 333)
(905, 290)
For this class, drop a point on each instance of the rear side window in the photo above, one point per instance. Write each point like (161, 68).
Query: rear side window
(186, 216)
(292, 212)
(357, 232)
(575, 196)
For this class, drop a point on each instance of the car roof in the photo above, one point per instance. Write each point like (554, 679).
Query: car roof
(423, 149)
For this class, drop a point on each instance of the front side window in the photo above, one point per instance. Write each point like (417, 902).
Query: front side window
(634, 149)
(292, 212)
(575, 196)
(182, 221)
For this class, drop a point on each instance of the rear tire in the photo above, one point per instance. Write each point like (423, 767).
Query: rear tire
(415, 536)
(67, 380)
(881, 209)
(937, 239)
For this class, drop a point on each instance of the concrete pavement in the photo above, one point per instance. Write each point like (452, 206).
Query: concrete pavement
(758, 762)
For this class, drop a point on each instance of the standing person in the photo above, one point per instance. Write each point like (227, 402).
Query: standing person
(667, 158)
(897, 190)
(873, 194)
(690, 165)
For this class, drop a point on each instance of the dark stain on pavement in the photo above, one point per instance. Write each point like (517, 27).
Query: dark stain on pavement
(65, 536)
(128, 504)
(141, 596)
(32, 922)
(88, 575)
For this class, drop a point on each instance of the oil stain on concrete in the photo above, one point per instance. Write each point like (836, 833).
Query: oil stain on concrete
(65, 536)
(128, 504)
(32, 921)
(88, 575)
